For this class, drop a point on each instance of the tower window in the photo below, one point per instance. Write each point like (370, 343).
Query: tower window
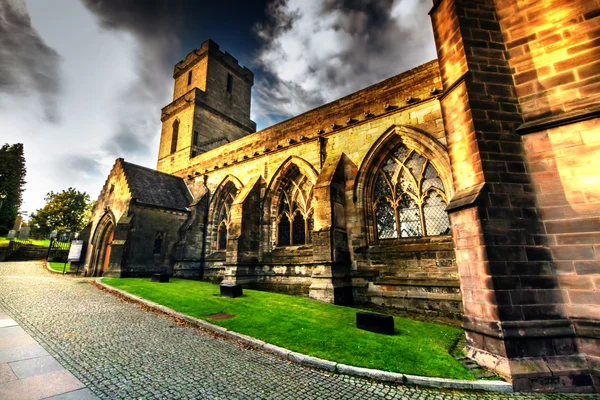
(229, 83)
(174, 136)
(195, 139)
(189, 78)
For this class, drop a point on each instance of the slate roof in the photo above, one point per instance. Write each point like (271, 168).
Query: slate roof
(156, 188)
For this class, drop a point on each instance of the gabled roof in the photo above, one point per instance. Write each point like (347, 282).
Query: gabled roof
(156, 188)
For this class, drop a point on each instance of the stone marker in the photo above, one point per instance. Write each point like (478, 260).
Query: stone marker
(24, 233)
(231, 290)
(162, 278)
(11, 234)
(53, 234)
(378, 323)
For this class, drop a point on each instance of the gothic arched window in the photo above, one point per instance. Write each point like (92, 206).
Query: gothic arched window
(174, 136)
(294, 211)
(408, 197)
(223, 214)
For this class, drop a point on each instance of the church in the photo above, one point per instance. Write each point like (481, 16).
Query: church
(467, 187)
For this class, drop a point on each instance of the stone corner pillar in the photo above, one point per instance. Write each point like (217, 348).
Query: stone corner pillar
(331, 281)
(514, 312)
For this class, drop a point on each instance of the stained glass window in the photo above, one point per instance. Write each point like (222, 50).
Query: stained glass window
(222, 240)
(294, 211)
(283, 231)
(223, 214)
(408, 197)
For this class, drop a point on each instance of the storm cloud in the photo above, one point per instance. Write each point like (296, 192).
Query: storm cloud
(27, 65)
(153, 26)
(317, 51)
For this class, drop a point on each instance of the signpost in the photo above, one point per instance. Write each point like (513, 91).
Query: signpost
(74, 253)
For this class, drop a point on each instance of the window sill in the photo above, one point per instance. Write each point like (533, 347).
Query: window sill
(414, 241)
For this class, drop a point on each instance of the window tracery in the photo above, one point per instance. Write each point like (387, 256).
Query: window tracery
(223, 220)
(294, 211)
(408, 197)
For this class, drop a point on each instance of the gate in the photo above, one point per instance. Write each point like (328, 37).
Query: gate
(58, 250)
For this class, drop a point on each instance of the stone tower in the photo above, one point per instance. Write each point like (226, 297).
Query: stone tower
(210, 107)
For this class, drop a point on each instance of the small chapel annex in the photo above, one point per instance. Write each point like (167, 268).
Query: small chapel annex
(467, 187)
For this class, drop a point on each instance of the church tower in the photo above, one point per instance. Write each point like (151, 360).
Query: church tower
(211, 107)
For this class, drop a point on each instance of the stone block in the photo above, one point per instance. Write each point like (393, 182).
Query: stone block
(378, 323)
(230, 290)
(161, 278)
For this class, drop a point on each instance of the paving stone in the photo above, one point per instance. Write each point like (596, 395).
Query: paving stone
(5, 322)
(6, 374)
(32, 350)
(40, 386)
(14, 336)
(35, 366)
(120, 350)
(81, 394)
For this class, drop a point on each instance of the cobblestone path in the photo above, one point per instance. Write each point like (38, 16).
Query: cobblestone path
(120, 350)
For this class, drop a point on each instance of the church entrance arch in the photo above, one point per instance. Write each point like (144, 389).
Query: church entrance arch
(102, 246)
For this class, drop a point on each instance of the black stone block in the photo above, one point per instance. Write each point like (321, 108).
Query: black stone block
(163, 278)
(231, 290)
(378, 323)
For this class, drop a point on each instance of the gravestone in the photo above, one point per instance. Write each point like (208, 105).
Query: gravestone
(161, 278)
(378, 323)
(11, 234)
(53, 234)
(24, 233)
(231, 290)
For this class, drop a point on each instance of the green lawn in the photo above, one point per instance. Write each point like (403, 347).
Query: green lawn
(58, 266)
(43, 243)
(311, 327)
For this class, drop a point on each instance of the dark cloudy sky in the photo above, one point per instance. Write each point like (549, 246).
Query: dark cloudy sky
(82, 82)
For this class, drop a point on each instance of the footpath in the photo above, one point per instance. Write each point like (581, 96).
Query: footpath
(27, 371)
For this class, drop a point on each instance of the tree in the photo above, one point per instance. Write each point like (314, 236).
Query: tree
(12, 179)
(69, 209)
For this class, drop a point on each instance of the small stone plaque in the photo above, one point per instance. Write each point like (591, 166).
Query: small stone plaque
(220, 316)
(231, 290)
(378, 323)
(11, 234)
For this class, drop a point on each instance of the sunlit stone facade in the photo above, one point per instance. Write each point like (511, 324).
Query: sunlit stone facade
(466, 187)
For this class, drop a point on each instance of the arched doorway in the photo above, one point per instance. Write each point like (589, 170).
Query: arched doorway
(102, 246)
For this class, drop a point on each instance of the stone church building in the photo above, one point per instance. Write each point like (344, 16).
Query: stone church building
(468, 186)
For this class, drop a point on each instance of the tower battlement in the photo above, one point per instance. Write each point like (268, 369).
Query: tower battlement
(210, 47)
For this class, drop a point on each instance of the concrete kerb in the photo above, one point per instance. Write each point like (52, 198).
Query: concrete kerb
(314, 362)
(51, 270)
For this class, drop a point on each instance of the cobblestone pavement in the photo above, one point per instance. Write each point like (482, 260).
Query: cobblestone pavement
(119, 350)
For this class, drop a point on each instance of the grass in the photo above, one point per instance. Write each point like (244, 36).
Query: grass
(42, 243)
(311, 327)
(58, 266)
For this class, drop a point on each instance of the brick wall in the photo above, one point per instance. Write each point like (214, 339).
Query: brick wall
(554, 51)
(503, 71)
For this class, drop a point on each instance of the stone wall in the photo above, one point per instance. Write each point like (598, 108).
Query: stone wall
(519, 76)
(113, 203)
(418, 275)
(141, 258)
